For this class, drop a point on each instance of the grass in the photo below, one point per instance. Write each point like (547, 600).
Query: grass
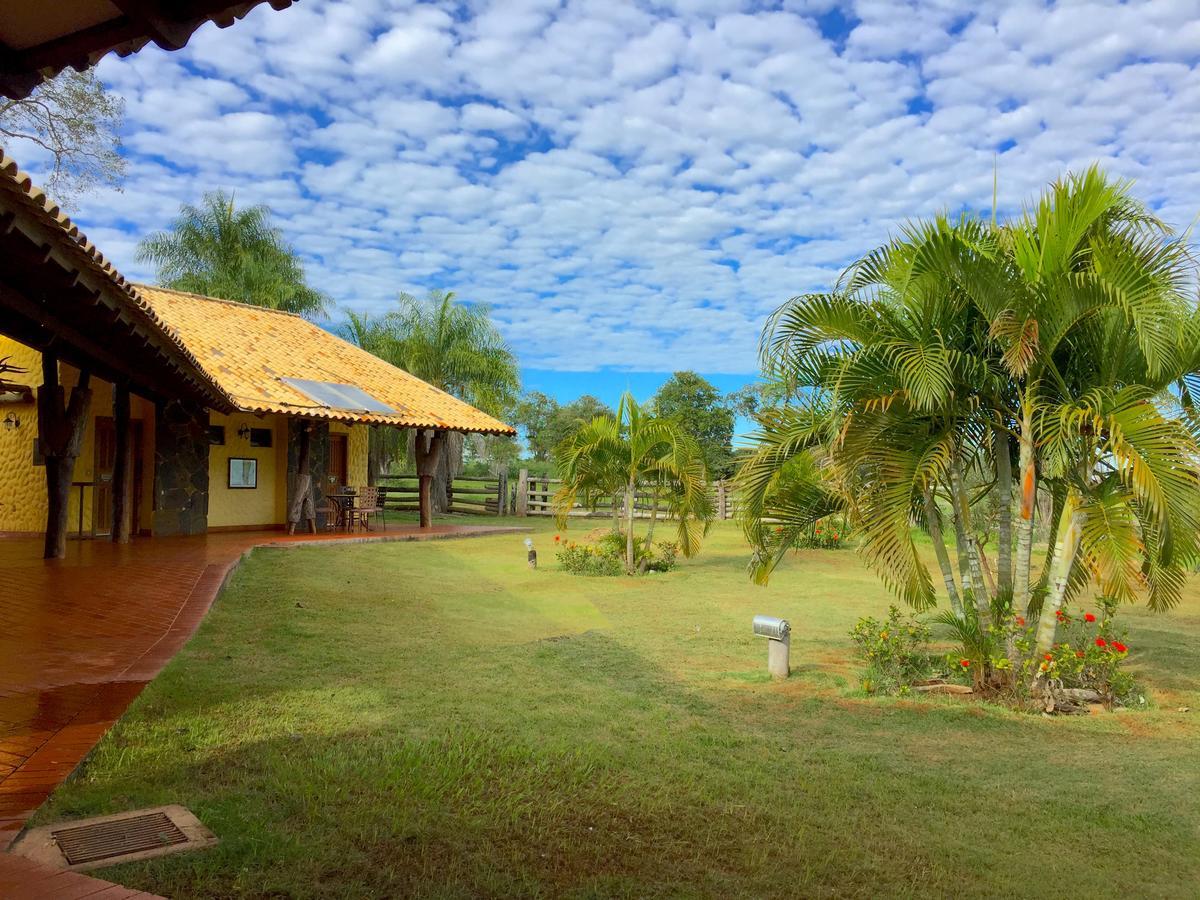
(436, 720)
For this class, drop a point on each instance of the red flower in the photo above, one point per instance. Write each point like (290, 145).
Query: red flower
(1079, 653)
(1100, 642)
(779, 529)
(1119, 647)
(1088, 617)
(1058, 613)
(965, 663)
(1049, 656)
(1021, 620)
(557, 539)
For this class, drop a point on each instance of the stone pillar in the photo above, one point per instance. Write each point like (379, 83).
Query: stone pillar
(180, 468)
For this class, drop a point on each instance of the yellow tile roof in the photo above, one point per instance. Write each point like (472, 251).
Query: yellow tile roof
(247, 350)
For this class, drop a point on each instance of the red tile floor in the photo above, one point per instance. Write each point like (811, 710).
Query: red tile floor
(80, 638)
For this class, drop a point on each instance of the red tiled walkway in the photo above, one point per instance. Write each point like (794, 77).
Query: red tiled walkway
(81, 637)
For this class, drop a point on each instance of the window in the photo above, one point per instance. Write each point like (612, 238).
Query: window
(260, 437)
(216, 435)
(243, 474)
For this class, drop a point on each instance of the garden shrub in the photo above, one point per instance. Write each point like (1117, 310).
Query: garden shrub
(828, 534)
(896, 652)
(607, 555)
(1090, 655)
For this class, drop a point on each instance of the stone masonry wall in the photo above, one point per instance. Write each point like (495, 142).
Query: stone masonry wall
(180, 469)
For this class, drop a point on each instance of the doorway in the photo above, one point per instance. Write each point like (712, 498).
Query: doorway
(339, 472)
(105, 462)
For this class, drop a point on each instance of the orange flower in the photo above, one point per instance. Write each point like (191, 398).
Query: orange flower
(1021, 620)
(1079, 653)
(557, 539)
(965, 663)
(1049, 656)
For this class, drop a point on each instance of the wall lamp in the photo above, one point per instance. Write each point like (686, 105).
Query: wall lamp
(244, 432)
(11, 422)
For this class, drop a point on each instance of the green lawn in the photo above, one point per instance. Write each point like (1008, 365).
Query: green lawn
(436, 720)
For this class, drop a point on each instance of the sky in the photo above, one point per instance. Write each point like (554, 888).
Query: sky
(633, 187)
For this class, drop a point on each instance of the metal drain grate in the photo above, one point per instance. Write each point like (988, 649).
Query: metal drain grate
(104, 840)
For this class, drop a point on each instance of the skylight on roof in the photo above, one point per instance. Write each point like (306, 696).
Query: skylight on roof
(339, 396)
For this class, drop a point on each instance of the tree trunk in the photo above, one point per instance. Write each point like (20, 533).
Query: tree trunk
(1004, 562)
(449, 467)
(630, 499)
(1022, 581)
(60, 436)
(122, 482)
(302, 502)
(963, 512)
(1070, 530)
(429, 446)
(932, 516)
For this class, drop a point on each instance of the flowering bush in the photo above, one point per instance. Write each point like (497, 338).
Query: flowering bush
(607, 555)
(1089, 655)
(896, 651)
(828, 534)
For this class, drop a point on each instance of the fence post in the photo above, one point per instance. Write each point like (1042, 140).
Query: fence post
(502, 492)
(721, 499)
(523, 493)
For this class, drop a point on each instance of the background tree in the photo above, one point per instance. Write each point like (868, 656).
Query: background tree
(455, 347)
(218, 250)
(702, 412)
(75, 122)
(625, 453)
(533, 414)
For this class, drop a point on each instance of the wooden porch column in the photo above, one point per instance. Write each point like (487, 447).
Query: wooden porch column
(302, 502)
(428, 451)
(122, 482)
(60, 435)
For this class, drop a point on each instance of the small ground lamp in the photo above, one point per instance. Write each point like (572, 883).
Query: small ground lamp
(779, 644)
(532, 556)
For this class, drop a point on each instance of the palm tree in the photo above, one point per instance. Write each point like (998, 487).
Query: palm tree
(622, 454)
(455, 347)
(236, 254)
(1064, 333)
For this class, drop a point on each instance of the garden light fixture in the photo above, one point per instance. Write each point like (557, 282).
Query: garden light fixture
(779, 643)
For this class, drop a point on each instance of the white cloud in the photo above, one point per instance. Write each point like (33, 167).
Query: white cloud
(638, 185)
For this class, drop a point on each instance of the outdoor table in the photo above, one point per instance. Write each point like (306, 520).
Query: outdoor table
(346, 511)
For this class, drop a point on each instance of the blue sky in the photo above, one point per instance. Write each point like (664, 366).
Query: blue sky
(633, 187)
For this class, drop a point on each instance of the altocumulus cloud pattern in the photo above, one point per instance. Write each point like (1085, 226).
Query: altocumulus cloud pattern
(629, 183)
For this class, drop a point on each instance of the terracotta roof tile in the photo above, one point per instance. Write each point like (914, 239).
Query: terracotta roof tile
(248, 350)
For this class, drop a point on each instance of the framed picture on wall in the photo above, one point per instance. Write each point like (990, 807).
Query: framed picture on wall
(243, 474)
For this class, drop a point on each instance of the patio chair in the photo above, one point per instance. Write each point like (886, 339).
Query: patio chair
(370, 506)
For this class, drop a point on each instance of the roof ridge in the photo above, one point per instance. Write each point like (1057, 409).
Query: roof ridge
(239, 303)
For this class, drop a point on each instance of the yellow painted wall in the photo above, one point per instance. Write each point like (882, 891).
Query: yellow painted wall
(22, 484)
(263, 505)
(356, 451)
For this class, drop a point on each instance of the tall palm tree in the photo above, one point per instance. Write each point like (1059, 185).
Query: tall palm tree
(622, 454)
(219, 250)
(455, 347)
(1062, 333)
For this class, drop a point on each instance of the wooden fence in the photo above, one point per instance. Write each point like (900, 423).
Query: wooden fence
(533, 495)
(486, 495)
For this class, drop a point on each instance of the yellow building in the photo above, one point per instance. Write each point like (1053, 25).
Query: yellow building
(223, 400)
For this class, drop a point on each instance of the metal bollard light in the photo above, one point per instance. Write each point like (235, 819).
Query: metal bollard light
(779, 644)
(531, 556)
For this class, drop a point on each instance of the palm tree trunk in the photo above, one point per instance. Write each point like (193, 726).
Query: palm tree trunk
(1022, 581)
(1004, 569)
(939, 548)
(630, 496)
(963, 514)
(1070, 529)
